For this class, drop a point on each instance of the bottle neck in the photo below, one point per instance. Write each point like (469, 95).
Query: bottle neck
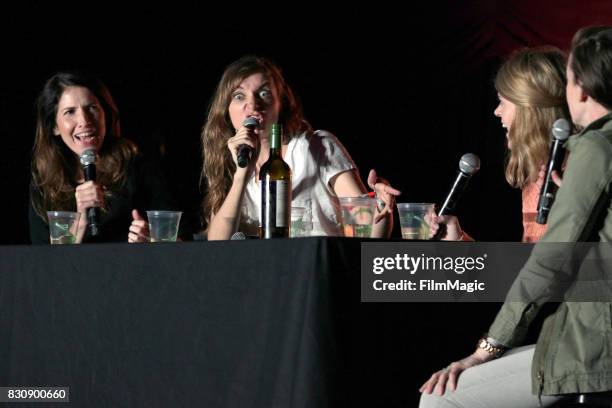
(275, 141)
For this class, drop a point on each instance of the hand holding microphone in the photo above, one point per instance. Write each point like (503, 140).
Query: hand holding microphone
(244, 150)
(560, 130)
(89, 195)
(446, 224)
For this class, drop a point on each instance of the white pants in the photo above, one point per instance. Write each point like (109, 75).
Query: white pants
(501, 383)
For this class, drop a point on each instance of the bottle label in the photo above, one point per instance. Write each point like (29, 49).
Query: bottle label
(276, 202)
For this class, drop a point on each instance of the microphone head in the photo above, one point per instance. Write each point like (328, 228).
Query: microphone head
(469, 163)
(88, 157)
(250, 123)
(561, 129)
(238, 236)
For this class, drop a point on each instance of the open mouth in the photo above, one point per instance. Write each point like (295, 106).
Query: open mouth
(88, 137)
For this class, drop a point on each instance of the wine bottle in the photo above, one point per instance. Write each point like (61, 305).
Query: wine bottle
(275, 181)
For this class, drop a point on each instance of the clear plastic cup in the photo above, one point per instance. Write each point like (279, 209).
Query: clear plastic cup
(358, 215)
(63, 226)
(163, 225)
(415, 219)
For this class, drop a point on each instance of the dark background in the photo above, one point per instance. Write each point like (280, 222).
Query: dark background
(407, 90)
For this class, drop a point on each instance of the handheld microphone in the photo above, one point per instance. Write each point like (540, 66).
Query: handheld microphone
(245, 151)
(468, 165)
(560, 130)
(88, 161)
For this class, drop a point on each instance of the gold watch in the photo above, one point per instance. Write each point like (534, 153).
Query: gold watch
(494, 350)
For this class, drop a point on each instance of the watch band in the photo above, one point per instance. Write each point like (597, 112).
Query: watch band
(496, 350)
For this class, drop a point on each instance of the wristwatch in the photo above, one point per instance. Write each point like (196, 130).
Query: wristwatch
(491, 346)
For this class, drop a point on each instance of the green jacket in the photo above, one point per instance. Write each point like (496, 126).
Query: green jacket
(574, 349)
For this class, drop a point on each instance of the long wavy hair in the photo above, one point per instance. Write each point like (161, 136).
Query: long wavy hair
(55, 168)
(534, 80)
(219, 167)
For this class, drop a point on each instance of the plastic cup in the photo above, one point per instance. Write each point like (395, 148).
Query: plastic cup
(300, 226)
(163, 225)
(358, 215)
(414, 219)
(63, 226)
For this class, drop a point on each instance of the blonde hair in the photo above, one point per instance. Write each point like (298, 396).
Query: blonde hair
(534, 80)
(219, 167)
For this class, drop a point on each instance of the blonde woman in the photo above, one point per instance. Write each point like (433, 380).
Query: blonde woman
(531, 90)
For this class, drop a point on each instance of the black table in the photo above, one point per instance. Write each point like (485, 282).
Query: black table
(275, 323)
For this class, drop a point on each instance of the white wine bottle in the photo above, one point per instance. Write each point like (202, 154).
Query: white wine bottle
(275, 181)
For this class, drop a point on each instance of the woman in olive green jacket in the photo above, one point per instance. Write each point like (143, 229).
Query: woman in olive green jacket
(574, 350)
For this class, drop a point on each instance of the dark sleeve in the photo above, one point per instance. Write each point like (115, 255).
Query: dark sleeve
(39, 230)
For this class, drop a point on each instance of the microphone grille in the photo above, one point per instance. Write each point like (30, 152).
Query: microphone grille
(250, 123)
(88, 157)
(561, 129)
(238, 236)
(469, 163)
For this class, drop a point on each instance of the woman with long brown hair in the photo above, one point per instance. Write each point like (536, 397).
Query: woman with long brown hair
(76, 113)
(322, 170)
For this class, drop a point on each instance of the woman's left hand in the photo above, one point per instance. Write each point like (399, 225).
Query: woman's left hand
(139, 229)
(384, 192)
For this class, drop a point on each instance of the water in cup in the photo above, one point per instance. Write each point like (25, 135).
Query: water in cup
(414, 219)
(63, 226)
(163, 225)
(358, 216)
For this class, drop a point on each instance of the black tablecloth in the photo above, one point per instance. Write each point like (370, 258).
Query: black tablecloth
(275, 323)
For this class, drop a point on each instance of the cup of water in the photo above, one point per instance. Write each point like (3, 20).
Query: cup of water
(415, 219)
(163, 225)
(63, 226)
(358, 214)
(301, 226)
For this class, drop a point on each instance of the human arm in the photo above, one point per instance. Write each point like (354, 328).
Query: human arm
(224, 222)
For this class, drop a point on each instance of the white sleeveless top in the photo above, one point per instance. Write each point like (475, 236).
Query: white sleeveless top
(314, 160)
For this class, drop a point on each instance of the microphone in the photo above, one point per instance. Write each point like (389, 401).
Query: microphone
(560, 130)
(244, 150)
(88, 161)
(241, 235)
(468, 165)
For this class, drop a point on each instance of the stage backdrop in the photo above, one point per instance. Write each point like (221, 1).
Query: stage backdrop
(407, 91)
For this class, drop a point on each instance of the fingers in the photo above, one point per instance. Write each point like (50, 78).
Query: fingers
(89, 194)
(429, 385)
(372, 179)
(243, 136)
(441, 384)
(139, 229)
(556, 178)
(435, 383)
(136, 215)
(453, 374)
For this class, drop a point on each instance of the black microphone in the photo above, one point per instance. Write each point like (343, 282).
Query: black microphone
(468, 165)
(245, 151)
(560, 130)
(88, 161)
